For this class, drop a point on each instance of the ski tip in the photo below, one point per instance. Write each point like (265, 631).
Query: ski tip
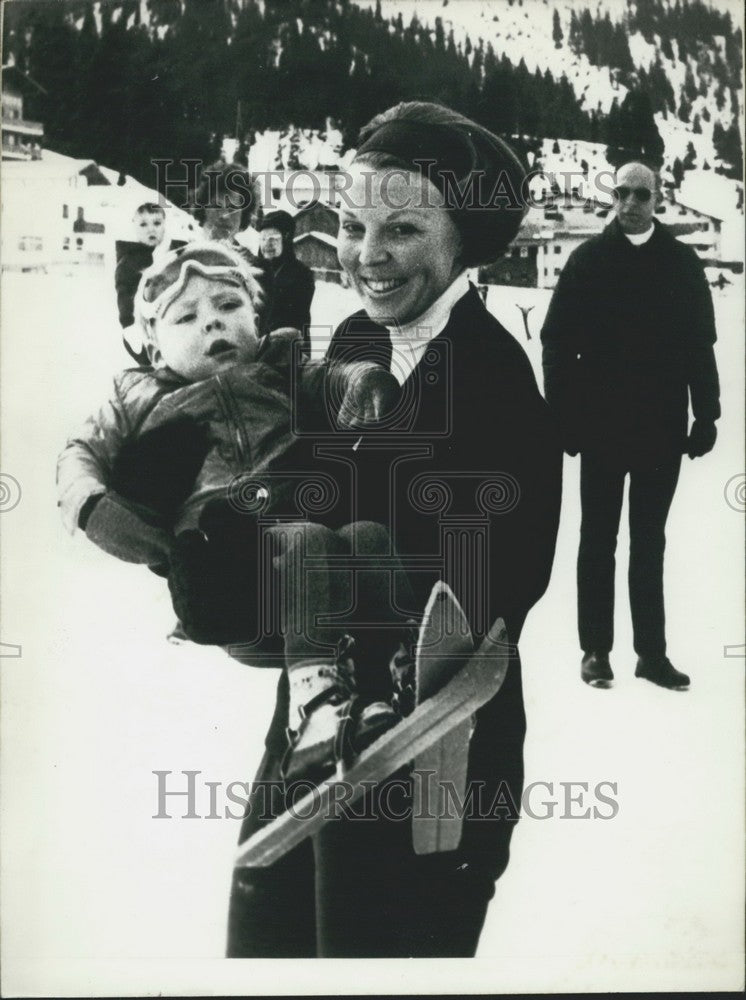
(441, 592)
(497, 641)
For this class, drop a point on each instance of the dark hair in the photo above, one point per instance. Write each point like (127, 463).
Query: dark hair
(226, 180)
(486, 201)
(150, 208)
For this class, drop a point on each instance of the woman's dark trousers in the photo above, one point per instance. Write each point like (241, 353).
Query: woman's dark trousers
(357, 889)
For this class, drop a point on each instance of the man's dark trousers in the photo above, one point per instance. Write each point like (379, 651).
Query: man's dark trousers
(652, 484)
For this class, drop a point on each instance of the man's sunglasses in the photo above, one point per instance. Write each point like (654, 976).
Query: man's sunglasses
(642, 194)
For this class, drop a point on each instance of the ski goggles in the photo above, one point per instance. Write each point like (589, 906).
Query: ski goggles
(641, 194)
(162, 283)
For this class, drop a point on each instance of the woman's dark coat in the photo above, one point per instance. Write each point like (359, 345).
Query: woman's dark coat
(484, 462)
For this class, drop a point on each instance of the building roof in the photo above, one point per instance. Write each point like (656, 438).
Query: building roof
(321, 237)
(537, 227)
(708, 193)
(51, 165)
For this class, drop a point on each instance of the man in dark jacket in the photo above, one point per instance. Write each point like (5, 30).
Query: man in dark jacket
(287, 283)
(628, 341)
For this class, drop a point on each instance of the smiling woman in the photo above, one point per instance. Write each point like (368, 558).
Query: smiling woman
(388, 252)
(468, 484)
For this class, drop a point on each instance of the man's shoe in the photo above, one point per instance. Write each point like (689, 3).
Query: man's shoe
(596, 670)
(662, 672)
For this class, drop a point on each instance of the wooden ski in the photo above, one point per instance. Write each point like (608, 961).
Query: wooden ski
(477, 678)
(444, 640)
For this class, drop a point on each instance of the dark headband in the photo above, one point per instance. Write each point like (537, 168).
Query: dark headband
(433, 150)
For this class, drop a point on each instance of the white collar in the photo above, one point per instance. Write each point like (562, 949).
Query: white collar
(637, 239)
(409, 342)
(435, 317)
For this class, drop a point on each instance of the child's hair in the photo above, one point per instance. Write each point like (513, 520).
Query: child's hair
(163, 281)
(150, 208)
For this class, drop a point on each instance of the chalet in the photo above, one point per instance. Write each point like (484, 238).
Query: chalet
(318, 251)
(22, 138)
(57, 210)
(520, 264)
(46, 212)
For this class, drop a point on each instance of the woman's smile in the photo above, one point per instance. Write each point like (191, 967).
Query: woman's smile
(383, 286)
(400, 260)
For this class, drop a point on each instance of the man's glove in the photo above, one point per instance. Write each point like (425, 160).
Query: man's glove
(701, 438)
(213, 576)
(158, 469)
(372, 394)
(125, 530)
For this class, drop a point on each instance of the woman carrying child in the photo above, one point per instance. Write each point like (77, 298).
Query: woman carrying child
(431, 194)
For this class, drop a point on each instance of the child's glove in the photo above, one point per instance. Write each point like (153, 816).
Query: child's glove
(701, 438)
(159, 468)
(124, 529)
(372, 394)
(213, 576)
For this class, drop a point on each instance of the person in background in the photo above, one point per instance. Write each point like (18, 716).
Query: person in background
(226, 202)
(628, 343)
(133, 257)
(288, 284)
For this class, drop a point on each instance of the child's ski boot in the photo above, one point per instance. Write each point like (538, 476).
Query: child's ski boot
(327, 722)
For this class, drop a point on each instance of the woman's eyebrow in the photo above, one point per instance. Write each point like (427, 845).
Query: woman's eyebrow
(398, 212)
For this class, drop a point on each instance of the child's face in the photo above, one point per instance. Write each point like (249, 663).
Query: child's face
(208, 328)
(150, 228)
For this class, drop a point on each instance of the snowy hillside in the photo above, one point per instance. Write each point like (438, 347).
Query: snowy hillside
(523, 30)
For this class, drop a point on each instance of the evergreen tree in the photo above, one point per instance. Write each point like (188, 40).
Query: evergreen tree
(632, 131)
(557, 35)
(678, 172)
(690, 85)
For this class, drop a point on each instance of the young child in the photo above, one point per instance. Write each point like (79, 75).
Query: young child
(133, 257)
(149, 480)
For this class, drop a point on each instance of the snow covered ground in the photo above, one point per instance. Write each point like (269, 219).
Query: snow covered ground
(100, 897)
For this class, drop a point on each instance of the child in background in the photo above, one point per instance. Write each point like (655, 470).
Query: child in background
(149, 481)
(134, 257)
